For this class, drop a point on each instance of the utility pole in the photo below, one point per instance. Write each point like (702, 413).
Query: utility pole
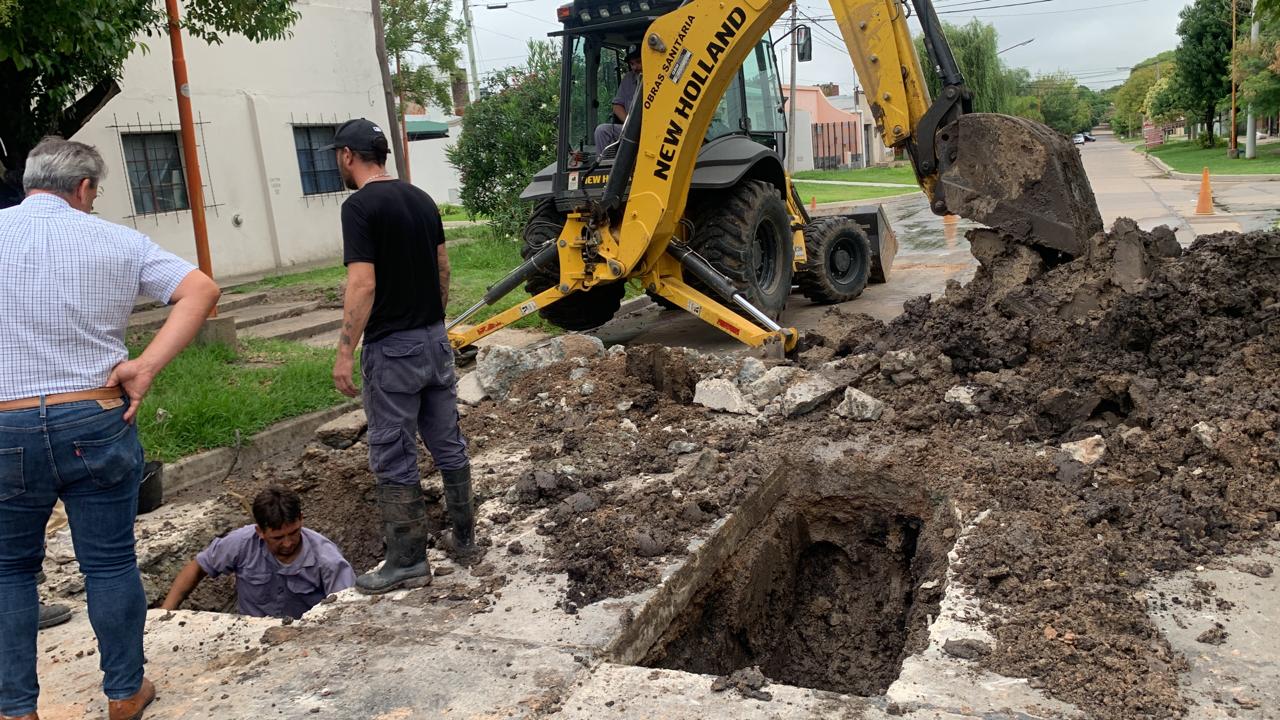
(388, 94)
(791, 99)
(471, 50)
(404, 126)
(1233, 149)
(195, 183)
(1251, 122)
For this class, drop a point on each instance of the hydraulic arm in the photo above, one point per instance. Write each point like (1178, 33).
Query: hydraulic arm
(1015, 175)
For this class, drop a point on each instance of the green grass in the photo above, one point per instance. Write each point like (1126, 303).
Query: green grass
(903, 175)
(477, 265)
(450, 212)
(209, 392)
(845, 193)
(320, 277)
(1189, 157)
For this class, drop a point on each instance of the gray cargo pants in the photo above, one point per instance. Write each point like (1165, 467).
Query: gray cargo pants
(410, 388)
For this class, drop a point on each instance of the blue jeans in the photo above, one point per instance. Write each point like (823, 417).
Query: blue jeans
(410, 388)
(91, 459)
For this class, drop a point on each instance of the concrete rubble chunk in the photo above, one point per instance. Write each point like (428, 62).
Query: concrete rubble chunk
(343, 431)
(752, 369)
(1205, 433)
(470, 391)
(858, 405)
(722, 395)
(806, 393)
(681, 447)
(1088, 451)
(963, 396)
(773, 383)
(894, 362)
(498, 366)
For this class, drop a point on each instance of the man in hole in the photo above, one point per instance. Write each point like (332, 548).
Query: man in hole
(282, 569)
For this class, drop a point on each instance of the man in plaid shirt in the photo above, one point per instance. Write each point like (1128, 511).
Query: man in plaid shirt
(68, 396)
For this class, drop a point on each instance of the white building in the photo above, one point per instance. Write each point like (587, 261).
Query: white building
(261, 111)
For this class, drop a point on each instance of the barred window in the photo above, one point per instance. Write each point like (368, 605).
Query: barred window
(319, 168)
(156, 174)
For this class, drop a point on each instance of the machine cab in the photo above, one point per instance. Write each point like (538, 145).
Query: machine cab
(749, 122)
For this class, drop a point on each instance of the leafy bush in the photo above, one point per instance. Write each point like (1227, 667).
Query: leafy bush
(507, 136)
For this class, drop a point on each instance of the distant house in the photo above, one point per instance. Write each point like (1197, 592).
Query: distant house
(835, 131)
(262, 110)
(429, 167)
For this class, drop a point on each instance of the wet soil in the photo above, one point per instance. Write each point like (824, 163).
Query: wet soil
(831, 591)
(1114, 417)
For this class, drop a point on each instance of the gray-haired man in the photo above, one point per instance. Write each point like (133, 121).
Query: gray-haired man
(68, 395)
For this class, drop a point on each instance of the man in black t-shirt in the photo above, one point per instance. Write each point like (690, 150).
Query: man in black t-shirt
(397, 289)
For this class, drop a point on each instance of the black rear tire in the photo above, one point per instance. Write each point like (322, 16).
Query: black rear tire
(583, 310)
(839, 260)
(745, 233)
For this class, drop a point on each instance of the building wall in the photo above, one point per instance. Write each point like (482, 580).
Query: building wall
(429, 166)
(247, 99)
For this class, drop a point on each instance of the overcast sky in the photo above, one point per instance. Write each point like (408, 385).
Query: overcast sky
(1094, 40)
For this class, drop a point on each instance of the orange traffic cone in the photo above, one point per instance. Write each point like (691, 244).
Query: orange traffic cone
(813, 202)
(1204, 206)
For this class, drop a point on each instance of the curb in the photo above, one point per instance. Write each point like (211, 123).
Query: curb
(1175, 175)
(213, 465)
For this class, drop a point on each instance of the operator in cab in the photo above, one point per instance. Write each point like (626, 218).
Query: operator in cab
(609, 133)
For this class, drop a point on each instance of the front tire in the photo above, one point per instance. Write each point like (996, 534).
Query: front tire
(839, 260)
(582, 310)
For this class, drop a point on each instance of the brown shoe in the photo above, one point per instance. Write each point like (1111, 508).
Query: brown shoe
(28, 716)
(131, 708)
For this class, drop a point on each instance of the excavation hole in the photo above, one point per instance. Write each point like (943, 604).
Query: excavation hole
(831, 591)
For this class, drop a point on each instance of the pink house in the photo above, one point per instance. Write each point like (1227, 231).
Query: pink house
(837, 135)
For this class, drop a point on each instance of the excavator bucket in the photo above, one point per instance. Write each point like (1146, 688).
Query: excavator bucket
(1020, 178)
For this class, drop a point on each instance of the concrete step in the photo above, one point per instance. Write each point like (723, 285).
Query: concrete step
(297, 328)
(269, 312)
(327, 339)
(153, 317)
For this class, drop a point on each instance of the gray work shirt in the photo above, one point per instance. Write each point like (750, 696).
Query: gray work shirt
(267, 588)
(627, 90)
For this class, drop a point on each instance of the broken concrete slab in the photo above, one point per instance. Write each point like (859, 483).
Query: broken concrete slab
(470, 391)
(772, 383)
(343, 432)
(722, 395)
(806, 393)
(1240, 677)
(498, 366)
(858, 405)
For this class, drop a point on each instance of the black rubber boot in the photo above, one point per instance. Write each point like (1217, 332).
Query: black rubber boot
(404, 527)
(460, 539)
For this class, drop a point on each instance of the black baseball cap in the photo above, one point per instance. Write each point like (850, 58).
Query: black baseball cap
(360, 135)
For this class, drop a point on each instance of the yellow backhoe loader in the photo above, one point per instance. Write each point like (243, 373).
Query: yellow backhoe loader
(692, 201)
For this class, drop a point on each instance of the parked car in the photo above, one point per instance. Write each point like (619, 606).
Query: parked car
(1078, 139)
(1087, 137)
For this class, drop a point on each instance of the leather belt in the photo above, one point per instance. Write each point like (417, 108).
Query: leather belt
(106, 393)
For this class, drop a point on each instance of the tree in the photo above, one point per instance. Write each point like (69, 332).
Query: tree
(1128, 99)
(423, 29)
(1258, 71)
(508, 135)
(1203, 57)
(60, 60)
(1163, 102)
(974, 46)
(1062, 103)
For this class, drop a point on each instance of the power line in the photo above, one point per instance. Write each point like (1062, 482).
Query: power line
(1060, 12)
(995, 7)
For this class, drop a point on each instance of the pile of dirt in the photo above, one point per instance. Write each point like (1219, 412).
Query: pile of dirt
(1117, 415)
(1157, 375)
